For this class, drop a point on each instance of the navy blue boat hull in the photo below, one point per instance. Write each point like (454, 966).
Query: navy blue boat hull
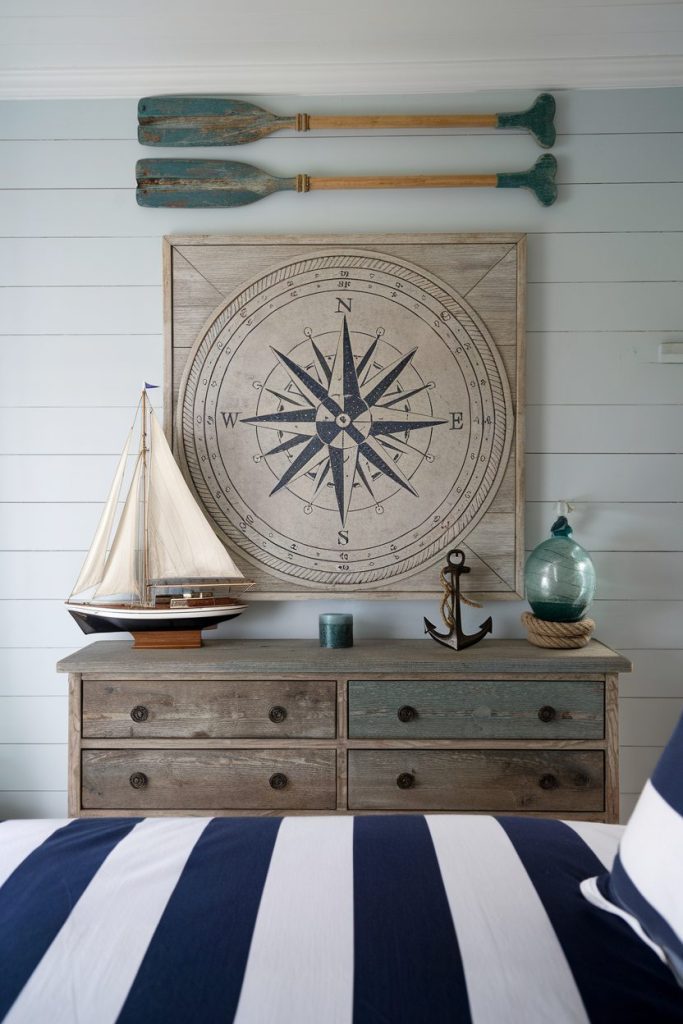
(112, 624)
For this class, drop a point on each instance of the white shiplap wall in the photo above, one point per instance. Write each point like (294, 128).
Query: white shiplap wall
(80, 328)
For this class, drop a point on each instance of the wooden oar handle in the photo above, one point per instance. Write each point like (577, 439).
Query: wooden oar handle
(539, 179)
(538, 120)
(404, 181)
(320, 122)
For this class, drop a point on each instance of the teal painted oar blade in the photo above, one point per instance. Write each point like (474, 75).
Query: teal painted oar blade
(170, 182)
(539, 179)
(538, 120)
(204, 121)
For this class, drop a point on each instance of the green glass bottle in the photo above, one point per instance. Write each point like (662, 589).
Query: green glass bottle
(559, 577)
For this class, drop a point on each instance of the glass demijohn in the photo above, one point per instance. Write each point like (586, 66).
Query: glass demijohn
(559, 577)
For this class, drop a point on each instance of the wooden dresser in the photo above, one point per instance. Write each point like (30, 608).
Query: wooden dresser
(276, 726)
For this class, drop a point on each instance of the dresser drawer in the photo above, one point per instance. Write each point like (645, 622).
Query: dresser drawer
(481, 709)
(482, 780)
(208, 709)
(149, 780)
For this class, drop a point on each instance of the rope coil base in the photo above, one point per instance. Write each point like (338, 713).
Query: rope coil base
(557, 634)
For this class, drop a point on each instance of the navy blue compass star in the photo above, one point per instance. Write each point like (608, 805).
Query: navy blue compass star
(343, 421)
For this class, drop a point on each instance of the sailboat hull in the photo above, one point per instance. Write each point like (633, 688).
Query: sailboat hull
(140, 620)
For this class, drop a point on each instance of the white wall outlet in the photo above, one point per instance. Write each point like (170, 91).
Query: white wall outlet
(671, 352)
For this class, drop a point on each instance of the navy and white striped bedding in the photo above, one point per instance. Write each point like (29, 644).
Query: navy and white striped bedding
(337, 920)
(645, 885)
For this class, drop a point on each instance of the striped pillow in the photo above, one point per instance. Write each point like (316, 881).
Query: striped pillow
(645, 886)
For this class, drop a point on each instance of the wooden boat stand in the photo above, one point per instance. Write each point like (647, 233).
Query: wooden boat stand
(168, 639)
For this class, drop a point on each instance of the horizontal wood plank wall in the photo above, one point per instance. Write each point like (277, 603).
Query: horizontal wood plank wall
(80, 328)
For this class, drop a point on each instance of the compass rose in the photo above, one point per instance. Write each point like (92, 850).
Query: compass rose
(349, 420)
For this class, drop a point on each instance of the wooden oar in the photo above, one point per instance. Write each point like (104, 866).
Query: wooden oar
(171, 182)
(221, 121)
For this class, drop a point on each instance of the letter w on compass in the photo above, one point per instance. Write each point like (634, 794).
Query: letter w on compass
(347, 417)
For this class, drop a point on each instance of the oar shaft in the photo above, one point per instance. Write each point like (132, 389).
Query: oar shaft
(178, 182)
(405, 181)
(320, 122)
(222, 121)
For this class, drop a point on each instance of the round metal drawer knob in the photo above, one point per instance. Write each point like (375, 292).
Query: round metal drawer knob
(406, 713)
(278, 780)
(277, 714)
(547, 713)
(139, 713)
(406, 780)
(138, 780)
(548, 781)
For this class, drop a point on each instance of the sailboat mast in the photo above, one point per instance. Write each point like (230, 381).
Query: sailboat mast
(145, 494)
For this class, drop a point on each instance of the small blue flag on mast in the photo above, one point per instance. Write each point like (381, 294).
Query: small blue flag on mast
(148, 387)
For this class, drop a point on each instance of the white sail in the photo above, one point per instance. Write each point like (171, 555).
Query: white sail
(93, 566)
(122, 573)
(180, 543)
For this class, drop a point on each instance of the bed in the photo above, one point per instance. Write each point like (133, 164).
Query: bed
(317, 920)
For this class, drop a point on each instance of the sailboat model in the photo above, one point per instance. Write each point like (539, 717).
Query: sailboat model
(166, 575)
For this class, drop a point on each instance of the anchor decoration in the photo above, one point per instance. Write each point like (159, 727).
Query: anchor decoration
(450, 607)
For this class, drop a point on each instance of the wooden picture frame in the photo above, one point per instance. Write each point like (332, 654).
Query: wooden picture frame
(349, 408)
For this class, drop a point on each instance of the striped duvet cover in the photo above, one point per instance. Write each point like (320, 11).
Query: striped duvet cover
(337, 920)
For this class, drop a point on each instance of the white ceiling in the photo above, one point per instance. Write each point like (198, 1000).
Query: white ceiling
(51, 48)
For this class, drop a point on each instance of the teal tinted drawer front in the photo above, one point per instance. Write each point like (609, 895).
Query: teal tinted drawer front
(476, 709)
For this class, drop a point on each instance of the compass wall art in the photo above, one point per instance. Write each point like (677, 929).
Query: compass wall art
(348, 408)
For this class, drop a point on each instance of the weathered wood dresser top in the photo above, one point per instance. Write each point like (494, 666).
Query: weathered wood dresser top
(277, 726)
(232, 657)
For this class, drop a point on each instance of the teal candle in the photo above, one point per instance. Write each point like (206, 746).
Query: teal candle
(336, 629)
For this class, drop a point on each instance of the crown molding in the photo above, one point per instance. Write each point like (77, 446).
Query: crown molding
(389, 77)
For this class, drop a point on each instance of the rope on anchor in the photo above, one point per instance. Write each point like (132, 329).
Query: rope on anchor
(557, 634)
(448, 590)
